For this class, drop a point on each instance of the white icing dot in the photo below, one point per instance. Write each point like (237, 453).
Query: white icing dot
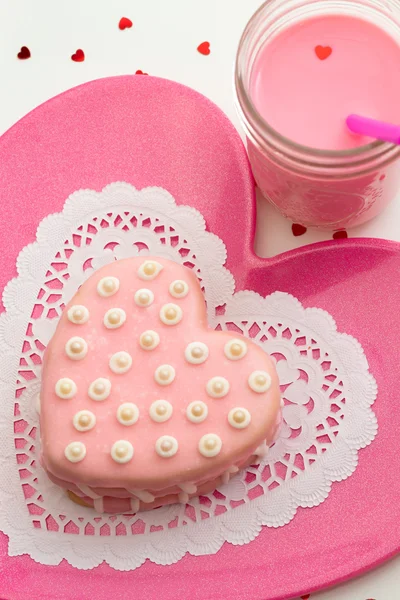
(166, 446)
(108, 286)
(84, 420)
(197, 411)
(217, 387)
(76, 348)
(196, 353)
(149, 270)
(78, 314)
(65, 388)
(179, 289)
(99, 389)
(122, 451)
(75, 452)
(128, 413)
(114, 318)
(259, 381)
(171, 314)
(160, 411)
(144, 297)
(149, 340)
(235, 349)
(239, 417)
(120, 362)
(164, 374)
(210, 445)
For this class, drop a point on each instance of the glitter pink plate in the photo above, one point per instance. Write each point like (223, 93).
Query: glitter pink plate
(149, 131)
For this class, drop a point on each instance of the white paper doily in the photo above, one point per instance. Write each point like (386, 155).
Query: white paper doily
(327, 389)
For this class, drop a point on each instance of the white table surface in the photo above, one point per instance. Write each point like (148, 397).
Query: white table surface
(163, 42)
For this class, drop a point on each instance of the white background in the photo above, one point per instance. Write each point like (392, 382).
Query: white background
(163, 42)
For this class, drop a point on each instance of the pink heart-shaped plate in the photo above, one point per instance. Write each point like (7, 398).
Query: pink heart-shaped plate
(152, 132)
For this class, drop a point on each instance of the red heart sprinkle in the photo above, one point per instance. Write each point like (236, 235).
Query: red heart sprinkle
(298, 229)
(340, 235)
(125, 23)
(79, 56)
(204, 48)
(323, 52)
(139, 72)
(24, 53)
(305, 597)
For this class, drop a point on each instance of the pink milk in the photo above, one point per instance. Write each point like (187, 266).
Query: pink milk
(308, 79)
(295, 92)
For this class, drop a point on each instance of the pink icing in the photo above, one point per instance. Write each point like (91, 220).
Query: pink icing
(148, 470)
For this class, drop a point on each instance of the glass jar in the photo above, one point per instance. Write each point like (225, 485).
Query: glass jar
(326, 189)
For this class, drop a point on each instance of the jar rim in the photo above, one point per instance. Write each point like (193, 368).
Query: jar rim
(257, 124)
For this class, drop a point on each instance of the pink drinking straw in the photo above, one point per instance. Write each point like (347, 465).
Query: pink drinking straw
(379, 130)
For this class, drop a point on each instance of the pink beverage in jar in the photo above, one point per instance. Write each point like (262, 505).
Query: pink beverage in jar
(303, 66)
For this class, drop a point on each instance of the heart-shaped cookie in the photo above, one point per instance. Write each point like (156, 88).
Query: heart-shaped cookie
(140, 401)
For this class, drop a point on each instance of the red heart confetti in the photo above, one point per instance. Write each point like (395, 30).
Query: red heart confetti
(24, 53)
(139, 72)
(79, 56)
(340, 235)
(204, 48)
(298, 229)
(125, 23)
(323, 52)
